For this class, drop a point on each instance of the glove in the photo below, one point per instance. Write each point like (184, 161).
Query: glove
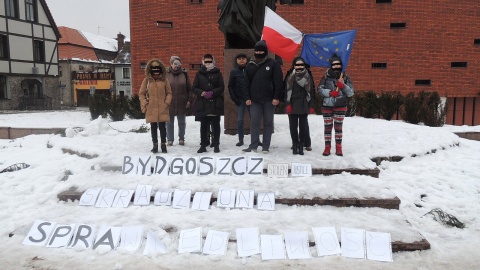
(208, 95)
(289, 109)
(311, 111)
(188, 105)
(340, 84)
(334, 93)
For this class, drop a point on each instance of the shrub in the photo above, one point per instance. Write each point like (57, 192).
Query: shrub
(98, 106)
(134, 110)
(389, 103)
(367, 104)
(410, 109)
(432, 110)
(117, 108)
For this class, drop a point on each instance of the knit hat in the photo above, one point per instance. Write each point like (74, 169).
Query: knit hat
(335, 58)
(241, 55)
(173, 58)
(261, 46)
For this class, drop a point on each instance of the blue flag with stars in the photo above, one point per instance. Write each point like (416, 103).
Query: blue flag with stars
(318, 48)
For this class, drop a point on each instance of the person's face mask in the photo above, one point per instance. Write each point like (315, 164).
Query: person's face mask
(260, 54)
(208, 63)
(299, 67)
(176, 65)
(155, 70)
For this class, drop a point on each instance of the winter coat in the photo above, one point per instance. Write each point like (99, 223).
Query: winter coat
(266, 80)
(237, 84)
(155, 100)
(181, 91)
(211, 80)
(329, 83)
(300, 98)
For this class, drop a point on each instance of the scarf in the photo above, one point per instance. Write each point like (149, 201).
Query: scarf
(302, 79)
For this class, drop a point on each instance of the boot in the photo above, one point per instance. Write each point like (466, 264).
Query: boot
(155, 148)
(338, 149)
(326, 152)
(216, 148)
(164, 148)
(295, 148)
(202, 149)
(300, 148)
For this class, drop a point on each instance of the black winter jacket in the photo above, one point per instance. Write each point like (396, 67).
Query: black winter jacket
(237, 84)
(266, 81)
(211, 80)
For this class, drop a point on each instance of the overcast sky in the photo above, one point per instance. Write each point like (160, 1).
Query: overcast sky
(106, 17)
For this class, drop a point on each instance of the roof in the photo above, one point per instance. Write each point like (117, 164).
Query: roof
(101, 42)
(82, 45)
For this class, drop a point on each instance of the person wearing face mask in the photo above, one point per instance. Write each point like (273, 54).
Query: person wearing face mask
(181, 102)
(335, 87)
(208, 86)
(263, 94)
(299, 102)
(155, 97)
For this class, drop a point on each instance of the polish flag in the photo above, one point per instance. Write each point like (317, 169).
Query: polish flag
(282, 38)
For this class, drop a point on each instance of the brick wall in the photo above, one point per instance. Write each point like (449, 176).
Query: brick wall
(437, 33)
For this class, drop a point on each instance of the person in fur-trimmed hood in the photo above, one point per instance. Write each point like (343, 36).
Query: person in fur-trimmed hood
(155, 97)
(334, 107)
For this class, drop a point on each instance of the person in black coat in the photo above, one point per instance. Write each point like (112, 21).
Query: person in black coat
(265, 91)
(237, 84)
(299, 102)
(208, 87)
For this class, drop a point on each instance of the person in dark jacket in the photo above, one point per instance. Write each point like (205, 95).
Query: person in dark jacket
(308, 140)
(335, 87)
(265, 91)
(299, 102)
(237, 84)
(208, 87)
(181, 102)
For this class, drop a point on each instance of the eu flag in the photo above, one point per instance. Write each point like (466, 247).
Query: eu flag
(318, 48)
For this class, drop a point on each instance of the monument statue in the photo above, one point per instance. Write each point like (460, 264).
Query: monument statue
(241, 21)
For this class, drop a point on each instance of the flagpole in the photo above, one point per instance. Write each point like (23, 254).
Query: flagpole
(341, 75)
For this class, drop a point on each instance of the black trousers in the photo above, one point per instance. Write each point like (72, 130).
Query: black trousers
(298, 126)
(163, 132)
(205, 122)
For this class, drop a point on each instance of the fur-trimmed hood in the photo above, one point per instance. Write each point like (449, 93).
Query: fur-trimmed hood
(162, 67)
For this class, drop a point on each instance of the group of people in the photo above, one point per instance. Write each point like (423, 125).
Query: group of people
(257, 86)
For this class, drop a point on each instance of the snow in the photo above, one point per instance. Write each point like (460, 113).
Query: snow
(438, 170)
(101, 42)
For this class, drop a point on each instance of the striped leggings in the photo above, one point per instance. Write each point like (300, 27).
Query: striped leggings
(333, 118)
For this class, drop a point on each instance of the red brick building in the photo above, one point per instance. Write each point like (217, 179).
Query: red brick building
(401, 45)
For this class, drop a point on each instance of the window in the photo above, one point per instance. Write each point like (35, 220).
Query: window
(379, 65)
(31, 10)
(383, 1)
(3, 87)
(476, 41)
(196, 1)
(423, 82)
(38, 51)
(195, 66)
(143, 65)
(164, 24)
(3, 47)
(292, 2)
(458, 64)
(11, 8)
(398, 25)
(126, 73)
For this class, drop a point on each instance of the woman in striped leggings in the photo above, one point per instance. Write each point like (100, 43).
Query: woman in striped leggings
(335, 87)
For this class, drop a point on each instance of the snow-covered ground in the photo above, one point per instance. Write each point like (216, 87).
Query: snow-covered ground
(447, 178)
